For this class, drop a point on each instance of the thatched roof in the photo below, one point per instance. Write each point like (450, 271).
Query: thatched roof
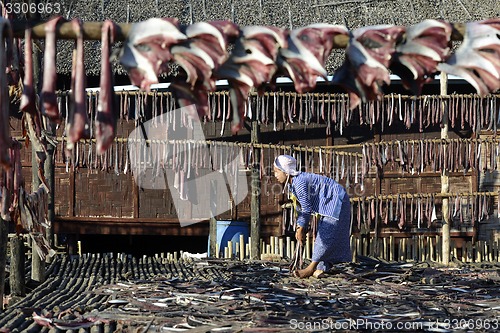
(284, 14)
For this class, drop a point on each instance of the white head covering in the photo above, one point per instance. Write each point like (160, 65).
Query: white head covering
(287, 164)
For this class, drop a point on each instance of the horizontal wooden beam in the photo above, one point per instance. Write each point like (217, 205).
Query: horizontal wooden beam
(92, 31)
(124, 226)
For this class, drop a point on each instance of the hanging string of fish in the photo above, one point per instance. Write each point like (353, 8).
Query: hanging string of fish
(471, 112)
(406, 210)
(432, 155)
(328, 160)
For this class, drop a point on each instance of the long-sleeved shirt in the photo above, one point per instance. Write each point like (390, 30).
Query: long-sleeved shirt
(316, 194)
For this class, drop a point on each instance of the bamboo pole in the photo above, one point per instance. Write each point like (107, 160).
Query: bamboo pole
(391, 248)
(315, 149)
(308, 246)
(230, 249)
(468, 253)
(490, 250)
(423, 248)
(242, 247)
(288, 247)
(353, 248)
(439, 253)
(431, 248)
(445, 185)
(384, 249)
(414, 249)
(255, 195)
(213, 221)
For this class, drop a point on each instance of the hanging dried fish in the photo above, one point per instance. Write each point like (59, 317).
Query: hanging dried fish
(107, 111)
(79, 127)
(48, 94)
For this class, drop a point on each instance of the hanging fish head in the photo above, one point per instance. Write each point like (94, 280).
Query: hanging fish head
(146, 52)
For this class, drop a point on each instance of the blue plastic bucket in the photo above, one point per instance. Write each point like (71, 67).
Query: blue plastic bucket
(230, 231)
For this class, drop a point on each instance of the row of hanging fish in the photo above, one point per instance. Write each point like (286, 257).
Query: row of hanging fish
(39, 113)
(157, 154)
(433, 155)
(15, 203)
(412, 156)
(406, 211)
(420, 210)
(463, 111)
(260, 54)
(271, 108)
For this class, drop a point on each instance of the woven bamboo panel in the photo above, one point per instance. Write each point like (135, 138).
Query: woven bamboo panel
(430, 184)
(62, 192)
(156, 204)
(461, 184)
(103, 194)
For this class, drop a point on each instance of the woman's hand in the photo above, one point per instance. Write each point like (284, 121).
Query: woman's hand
(300, 235)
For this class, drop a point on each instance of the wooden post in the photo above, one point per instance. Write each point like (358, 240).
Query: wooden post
(255, 200)
(213, 221)
(3, 258)
(50, 178)
(445, 185)
(17, 277)
(37, 266)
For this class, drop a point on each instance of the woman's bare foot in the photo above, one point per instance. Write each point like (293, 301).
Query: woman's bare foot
(306, 272)
(303, 273)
